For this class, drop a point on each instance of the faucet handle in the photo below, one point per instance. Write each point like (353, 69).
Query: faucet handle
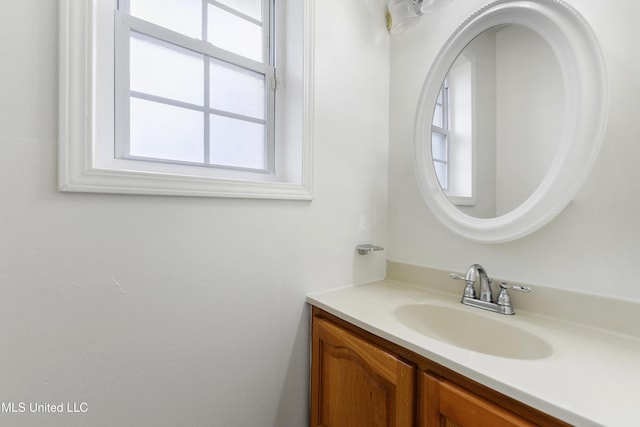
(504, 299)
(505, 286)
(469, 290)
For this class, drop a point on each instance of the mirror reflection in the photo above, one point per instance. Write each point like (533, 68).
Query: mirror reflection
(497, 121)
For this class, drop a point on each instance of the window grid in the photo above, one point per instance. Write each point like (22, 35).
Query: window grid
(230, 10)
(209, 52)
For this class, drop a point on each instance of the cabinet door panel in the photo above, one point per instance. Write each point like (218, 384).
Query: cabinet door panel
(452, 406)
(356, 383)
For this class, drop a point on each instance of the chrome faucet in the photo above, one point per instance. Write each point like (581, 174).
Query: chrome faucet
(477, 274)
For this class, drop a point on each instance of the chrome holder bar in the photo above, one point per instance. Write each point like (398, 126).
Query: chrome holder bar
(365, 249)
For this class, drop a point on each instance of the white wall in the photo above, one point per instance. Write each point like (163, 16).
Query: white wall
(530, 106)
(166, 311)
(592, 245)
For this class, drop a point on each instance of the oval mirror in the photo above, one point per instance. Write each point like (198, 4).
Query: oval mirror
(495, 121)
(510, 119)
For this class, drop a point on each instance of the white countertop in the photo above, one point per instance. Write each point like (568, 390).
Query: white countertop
(591, 378)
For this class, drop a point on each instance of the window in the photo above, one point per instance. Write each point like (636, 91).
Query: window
(185, 97)
(200, 83)
(452, 134)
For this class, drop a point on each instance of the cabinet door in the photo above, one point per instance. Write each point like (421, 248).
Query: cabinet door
(447, 405)
(356, 383)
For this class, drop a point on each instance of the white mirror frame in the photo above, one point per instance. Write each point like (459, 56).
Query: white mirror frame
(584, 75)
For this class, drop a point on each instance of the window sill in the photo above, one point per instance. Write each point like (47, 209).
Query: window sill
(131, 182)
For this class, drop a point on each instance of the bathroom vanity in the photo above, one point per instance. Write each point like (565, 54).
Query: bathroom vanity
(392, 353)
(359, 379)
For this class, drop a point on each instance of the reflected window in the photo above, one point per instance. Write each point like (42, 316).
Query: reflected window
(452, 135)
(440, 136)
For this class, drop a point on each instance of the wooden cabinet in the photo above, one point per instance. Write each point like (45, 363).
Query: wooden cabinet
(356, 383)
(361, 380)
(451, 406)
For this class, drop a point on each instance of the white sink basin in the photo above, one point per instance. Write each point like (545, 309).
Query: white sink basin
(476, 332)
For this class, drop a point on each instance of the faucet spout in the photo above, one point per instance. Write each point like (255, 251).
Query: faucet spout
(477, 273)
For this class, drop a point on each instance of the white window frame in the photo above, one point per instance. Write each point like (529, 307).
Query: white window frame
(86, 147)
(445, 131)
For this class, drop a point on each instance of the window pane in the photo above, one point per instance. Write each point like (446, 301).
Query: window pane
(441, 173)
(162, 69)
(252, 8)
(437, 116)
(439, 146)
(166, 132)
(232, 33)
(237, 143)
(237, 90)
(182, 16)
